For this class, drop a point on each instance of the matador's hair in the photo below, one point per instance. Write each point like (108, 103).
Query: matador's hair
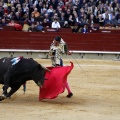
(58, 38)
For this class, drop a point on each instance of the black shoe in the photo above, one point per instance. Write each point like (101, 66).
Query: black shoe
(70, 95)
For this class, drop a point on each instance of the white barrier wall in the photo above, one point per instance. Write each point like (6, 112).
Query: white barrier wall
(43, 54)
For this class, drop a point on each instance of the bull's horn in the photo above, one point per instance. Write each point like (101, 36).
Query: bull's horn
(45, 68)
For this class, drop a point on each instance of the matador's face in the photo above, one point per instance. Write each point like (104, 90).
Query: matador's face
(56, 43)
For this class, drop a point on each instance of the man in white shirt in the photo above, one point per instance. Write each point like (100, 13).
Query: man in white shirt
(55, 24)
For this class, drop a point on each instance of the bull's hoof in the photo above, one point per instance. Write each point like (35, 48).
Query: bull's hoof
(70, 95)
(2, 97)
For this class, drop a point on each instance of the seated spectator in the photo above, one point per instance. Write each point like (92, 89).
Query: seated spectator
(43, 9)
(1, 11)
(39, 27)
(3, 22)
(101, 21)
(32, 19)
(68, 13)
(46, 24)
(118, 20)
(12, 23)
(46, 16)
(55, 24)
(18, 17)
(114, 21)
(91, 18)
(61, 3)
(10, 15)
(27, 12)
(15, 25)
(25, 26)
(80, 24)
(55, 16)
(6, 10)
(36, 14)
(66, 25)
(93, 28)
(50, 9)
(107, 21)
(71, 21)
(5, 16)
(84, 29)
(62, 19)
(32, 28)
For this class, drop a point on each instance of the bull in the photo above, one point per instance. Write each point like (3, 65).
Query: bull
(14, 75)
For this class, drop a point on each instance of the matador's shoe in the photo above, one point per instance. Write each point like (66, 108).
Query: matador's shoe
(70, 95)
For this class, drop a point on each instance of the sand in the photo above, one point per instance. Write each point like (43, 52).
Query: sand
(96, 88)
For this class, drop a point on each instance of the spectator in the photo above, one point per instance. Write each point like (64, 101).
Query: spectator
(101, 20)
(68, 13)
(55, 24)
(11, 23)
(32, 28)
(6, 10)
(107, 21)
(91, 19)
(32, 18)
(55, 17)
(110, 8)
(62, 19)
(13, 10)
(118, 19)
(3, 22)
(61, 3)
(5, 16)
(71, 21)
(46, 24)
(36, 14)
(11, 15)
(114, 22)
(25, 27)
(39, 27)
(54, 3)
(66, 25)
(84, 29)
(1, 11)
(50, 10)
(27, 12)
(93, 28)
(18, 17)
(17, 26)
(46, 16)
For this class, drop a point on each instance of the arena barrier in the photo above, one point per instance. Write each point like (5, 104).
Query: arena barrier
(43, 54)
(102, 45)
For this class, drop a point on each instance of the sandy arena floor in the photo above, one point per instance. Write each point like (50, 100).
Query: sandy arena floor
(96, 88)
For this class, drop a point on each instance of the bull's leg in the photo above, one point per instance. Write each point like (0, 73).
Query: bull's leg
(6, 85)
(4, 92)
(13, 90)
(3, 96)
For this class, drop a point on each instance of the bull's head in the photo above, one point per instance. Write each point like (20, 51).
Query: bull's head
(40, 76)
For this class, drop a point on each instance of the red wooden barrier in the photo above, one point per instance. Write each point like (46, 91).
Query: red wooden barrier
(76, 41)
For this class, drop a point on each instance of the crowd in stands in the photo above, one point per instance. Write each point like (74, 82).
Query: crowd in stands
(35, 15)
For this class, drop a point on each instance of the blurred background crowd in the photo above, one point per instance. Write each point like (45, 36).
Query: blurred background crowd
(59, 13)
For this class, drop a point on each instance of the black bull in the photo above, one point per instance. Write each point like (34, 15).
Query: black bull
(14, 76)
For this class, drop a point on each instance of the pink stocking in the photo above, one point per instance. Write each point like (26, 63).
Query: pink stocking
(67, 87)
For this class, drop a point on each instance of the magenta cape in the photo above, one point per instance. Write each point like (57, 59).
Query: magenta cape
(55, 83)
